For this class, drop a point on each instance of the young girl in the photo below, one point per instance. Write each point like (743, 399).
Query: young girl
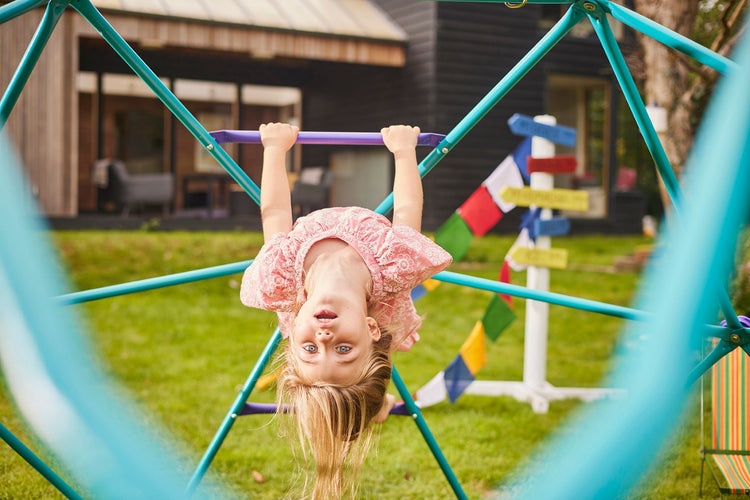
(340, 281)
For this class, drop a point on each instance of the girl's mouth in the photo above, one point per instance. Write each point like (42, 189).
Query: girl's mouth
(325, 315)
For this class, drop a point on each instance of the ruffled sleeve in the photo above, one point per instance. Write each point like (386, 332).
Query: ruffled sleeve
(406, 259)
(270, 281)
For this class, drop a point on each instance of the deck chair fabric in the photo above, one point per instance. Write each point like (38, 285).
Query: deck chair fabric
(729, 456)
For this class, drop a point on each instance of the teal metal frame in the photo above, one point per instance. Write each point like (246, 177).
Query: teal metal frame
(594, 10)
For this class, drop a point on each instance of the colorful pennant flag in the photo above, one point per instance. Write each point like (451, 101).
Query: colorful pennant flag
(454, 236)
(497, 317)
(418, 292)
(480, 211)
(505, 278)
(457, 378)
(528, 220)
(506, 174)
(520, 156)
(432, 392)
(472, 351)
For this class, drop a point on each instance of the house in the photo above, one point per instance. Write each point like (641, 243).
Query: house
(327, 65)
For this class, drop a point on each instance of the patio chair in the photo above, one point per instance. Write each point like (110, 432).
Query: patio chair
(312, 190)
(132, 191)
(729, 456)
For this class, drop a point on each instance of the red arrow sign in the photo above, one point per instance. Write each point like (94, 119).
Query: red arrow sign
(554, 165)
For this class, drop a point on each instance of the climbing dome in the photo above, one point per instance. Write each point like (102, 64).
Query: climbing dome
(71, 406)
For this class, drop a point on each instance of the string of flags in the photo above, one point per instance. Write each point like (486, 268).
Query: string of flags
(497, 195)
(481, 211)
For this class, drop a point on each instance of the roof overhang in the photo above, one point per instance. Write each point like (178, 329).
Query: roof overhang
(352, 31)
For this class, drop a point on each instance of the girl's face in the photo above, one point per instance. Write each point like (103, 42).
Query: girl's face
(332, 338)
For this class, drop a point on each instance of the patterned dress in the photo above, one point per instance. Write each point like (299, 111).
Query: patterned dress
(398, 257)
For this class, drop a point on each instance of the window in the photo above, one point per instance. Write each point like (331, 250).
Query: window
(582, 103)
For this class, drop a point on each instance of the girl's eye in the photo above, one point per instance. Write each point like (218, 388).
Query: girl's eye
(310, 347)
(343, 348)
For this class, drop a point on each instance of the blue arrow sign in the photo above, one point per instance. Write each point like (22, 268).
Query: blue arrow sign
(525, 125)
(556, 226)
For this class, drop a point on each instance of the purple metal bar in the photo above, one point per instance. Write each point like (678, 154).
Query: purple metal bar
(258, 408)
(349, 138)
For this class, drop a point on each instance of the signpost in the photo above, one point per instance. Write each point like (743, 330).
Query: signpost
(542, 166)
(555, 258)
(554, 165)
(528, 126)
(563, 199)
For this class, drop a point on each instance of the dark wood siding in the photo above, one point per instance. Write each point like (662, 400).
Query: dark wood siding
(477, 45)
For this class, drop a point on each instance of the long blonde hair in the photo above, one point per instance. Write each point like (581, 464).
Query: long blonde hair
(332, 422)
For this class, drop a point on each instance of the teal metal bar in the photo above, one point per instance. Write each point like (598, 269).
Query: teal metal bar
(633, 98)
(19, 8)
(630, 91)
(234, 412)
(37, 463)
(550, 39)
(671, 39)
(542, 296)
(52, 14)
(153, 283)
(722, 349)
(89, 12)
(427, 434)
(707, 330)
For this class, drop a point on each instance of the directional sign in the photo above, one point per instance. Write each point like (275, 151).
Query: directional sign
(556, 258)
(525, 125)
(554, 165)
(556, 226)
(564, 199)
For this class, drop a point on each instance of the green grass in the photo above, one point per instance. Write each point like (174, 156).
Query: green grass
(183, 352)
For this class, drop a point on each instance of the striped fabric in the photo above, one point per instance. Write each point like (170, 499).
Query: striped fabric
(730, 426)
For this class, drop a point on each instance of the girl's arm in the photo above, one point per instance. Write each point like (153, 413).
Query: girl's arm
(275, 198)
(401, 140)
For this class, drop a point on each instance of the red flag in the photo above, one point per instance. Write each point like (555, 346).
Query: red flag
(480, 212)
(505, 278)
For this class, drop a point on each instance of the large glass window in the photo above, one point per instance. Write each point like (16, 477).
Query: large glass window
(582, 103)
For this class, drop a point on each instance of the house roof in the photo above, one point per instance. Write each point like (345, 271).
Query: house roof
(351, 18)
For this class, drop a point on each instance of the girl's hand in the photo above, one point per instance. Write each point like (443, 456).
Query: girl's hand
(388, 404)
(278, 135)
(400, 138)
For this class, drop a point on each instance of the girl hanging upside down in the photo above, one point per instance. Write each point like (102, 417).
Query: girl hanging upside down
(340, 281)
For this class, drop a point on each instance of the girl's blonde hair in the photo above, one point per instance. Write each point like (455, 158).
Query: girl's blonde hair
(332, 421)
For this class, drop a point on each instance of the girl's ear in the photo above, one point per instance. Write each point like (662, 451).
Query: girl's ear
(373, 327)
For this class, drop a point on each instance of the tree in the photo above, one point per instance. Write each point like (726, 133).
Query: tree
(676, 82)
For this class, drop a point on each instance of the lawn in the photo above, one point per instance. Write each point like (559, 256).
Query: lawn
(182, 353)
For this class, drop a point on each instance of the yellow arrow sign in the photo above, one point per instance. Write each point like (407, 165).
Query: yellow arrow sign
(540, 257)
(564, 199)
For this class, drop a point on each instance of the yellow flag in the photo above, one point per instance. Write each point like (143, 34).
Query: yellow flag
(472, 351)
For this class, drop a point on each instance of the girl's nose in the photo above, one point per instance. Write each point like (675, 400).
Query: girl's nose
(323, 335)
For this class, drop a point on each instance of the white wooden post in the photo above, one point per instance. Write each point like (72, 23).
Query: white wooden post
(537, 278)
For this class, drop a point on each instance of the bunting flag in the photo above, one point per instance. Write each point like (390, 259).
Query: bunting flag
(480, 212)
(528, 222)
(457, 378)
(497, 317)
(505, 278)
(418, 292)
(507, 174)
(433, 392)
(475, 217)
(431, 284)
(521, 155)
(472, 351)
(454, 236)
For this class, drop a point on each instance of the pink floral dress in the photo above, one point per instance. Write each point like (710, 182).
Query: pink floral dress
(398, 257)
